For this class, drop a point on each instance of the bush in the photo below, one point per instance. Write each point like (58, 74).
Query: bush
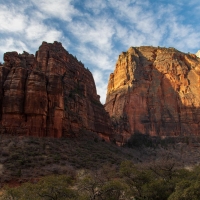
(50, 187)
(138, 140)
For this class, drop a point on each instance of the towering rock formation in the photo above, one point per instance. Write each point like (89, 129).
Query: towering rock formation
(155, 91)
(49, 94)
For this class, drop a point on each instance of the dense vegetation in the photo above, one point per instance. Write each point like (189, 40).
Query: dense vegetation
(89, 168)
(154, 182)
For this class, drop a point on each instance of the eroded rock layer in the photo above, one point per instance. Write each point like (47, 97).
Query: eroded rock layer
(155, 91)
(49, 94)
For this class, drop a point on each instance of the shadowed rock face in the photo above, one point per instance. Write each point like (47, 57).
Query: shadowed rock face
(155, 91)
(50, 94)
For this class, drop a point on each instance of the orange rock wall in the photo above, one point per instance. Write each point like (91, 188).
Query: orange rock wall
(49, 94)
(155, 91)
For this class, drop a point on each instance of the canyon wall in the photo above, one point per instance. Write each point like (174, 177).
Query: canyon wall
(155, 91)
(49, 94)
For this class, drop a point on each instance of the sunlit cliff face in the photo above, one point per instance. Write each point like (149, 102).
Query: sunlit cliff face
(155, 91)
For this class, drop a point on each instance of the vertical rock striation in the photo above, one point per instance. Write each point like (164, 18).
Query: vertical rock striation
(49, 94)
(155, 91)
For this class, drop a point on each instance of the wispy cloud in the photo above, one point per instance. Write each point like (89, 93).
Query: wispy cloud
(96, 7)
(98, 32)
(60, 9)
(38, 32)
(23, 28)
(9, 44)
(95, 58)
(12, 20)
(101, 82)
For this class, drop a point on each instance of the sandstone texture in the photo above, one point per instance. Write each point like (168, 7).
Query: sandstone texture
(49, 94)
(155, 91)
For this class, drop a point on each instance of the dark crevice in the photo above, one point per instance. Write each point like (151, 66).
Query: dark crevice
(114, 102)
(2, 89)
(25, 90)
(48, 110)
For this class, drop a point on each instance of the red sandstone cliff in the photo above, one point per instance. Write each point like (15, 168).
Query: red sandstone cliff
(155, 91)
(49, 94)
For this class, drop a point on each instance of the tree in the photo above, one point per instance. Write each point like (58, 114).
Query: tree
(48, 188)
(165, 167)
(157, 189)
(135, 178)
(186, 190)
(99, 186)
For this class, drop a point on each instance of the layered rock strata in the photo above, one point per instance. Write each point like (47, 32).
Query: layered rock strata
(155, 91)
(49, 94)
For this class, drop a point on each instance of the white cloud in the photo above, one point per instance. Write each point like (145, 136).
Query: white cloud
(121, 31)
(62, 9)
(146, 25)
(98, 32)
(135, 38)
(101, 84)
(96, 6)
(11, 20)
(99, 59)
(19, 27)
(139, 26)
(9, 44)
(37, 15)
(36, 32)
(175, 33)
(52, 35)
(132, 12)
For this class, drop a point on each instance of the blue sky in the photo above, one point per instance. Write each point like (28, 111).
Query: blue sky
(97, 31)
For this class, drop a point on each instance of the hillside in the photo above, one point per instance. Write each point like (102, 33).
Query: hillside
(27, 158)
